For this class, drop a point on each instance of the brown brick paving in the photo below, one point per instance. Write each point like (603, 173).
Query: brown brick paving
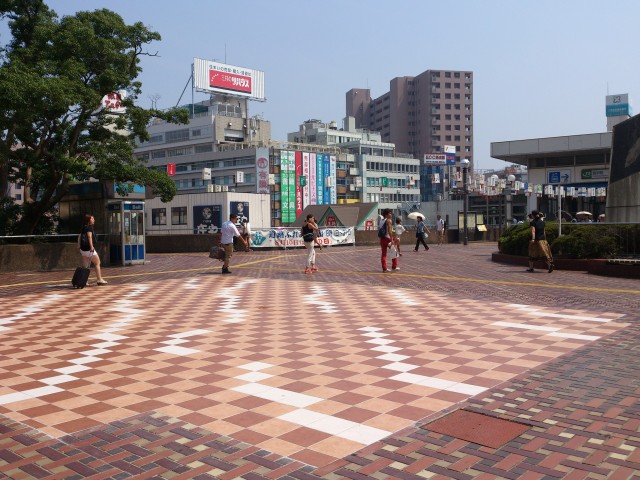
(582, 405)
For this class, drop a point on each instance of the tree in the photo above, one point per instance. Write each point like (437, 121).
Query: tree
(53, 75)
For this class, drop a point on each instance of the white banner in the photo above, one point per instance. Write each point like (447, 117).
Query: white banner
(292, 237)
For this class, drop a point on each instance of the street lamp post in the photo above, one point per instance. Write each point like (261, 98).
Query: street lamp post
(509, 200)
(465, 193)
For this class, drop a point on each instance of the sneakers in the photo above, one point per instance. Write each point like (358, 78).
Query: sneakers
(426, 249)
(308, 270)
(225, 270)
(550, 267)
(396, 269)
(529, 269)
(386, 271)
(314, 268)
(101, 282)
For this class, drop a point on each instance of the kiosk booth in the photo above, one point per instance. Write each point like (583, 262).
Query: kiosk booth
(125, 227)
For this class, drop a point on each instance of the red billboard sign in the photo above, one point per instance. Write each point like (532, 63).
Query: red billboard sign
(171, 169)
(229, 81)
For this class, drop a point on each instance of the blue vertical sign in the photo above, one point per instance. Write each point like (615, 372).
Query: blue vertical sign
(320, 178)
(326, 169)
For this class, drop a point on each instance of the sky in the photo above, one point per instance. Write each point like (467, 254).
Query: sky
(542, 68)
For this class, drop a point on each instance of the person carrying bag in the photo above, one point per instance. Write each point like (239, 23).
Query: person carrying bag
(87, 243)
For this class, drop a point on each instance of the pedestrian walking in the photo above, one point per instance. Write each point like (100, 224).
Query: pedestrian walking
(538, 245)
(87, 244)
(385, 227)
(309, 235)
(229, 231)
(398, 231)
(440, 229)
(245, 233)
(422, 232)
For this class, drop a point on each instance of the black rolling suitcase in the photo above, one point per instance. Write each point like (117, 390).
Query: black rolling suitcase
(80, 277)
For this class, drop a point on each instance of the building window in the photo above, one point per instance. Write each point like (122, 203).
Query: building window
(447, 74)
(177, 136)
(178, 215)
(159, 216)
(158, 154)
(204, 148)
(18, 196)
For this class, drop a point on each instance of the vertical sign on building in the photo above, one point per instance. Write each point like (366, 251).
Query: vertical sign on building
(334, 186)
(313, 194)
(298, 174)
(292, 186)
(326, 173)
(284, 185)
(262, 170)
(320, 179)
(305, 172)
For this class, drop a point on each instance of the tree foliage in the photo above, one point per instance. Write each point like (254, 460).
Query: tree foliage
(54, 73)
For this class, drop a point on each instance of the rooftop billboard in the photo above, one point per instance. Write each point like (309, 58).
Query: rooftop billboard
(214, 77)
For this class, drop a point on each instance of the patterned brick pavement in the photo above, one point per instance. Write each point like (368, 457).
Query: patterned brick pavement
(174, 371)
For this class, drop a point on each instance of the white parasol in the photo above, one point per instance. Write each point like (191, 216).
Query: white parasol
(415, 215)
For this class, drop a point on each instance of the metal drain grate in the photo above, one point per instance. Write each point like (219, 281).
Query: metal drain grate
(477, 428)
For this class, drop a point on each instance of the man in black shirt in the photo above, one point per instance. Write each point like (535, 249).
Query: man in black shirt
(538, 245)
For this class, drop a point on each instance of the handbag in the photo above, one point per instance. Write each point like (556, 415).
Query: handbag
(217, 253)
(393, 253)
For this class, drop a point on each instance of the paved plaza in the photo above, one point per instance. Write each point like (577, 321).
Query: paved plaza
(452, 367)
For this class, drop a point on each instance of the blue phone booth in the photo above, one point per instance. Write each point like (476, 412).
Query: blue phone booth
(125, 221)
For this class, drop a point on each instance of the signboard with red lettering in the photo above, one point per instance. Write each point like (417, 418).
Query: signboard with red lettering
(262, 170)
(171, 169)
(214, 77)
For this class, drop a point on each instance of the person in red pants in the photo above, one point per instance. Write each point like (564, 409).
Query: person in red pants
(387, 240)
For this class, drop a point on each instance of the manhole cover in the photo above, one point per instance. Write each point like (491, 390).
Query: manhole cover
(477, 428)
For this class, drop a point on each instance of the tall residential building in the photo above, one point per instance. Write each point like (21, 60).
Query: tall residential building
(421, 115)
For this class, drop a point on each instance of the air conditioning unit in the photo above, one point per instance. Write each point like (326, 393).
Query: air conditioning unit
(210, 188)
(217, 188)
(225, 188)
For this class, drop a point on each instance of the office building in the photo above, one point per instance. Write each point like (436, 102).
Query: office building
(370, 170)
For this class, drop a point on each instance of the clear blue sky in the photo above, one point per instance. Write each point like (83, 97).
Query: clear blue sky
(541, 67)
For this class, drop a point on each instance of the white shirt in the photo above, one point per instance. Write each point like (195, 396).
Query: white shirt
(440, 225)
(229, 230)
(400, 229)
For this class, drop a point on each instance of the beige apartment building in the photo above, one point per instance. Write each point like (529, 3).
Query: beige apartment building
(420, 114)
